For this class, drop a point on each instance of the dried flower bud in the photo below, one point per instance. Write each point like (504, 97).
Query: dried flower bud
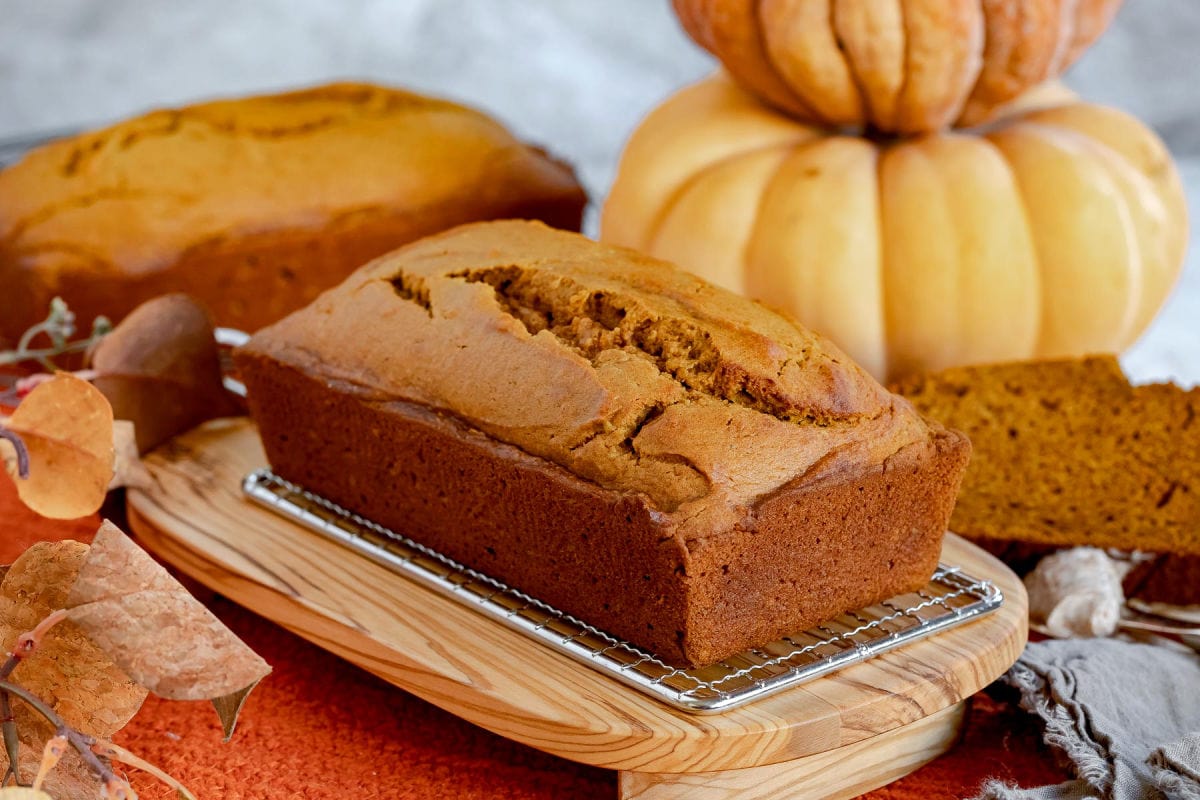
(52, 753)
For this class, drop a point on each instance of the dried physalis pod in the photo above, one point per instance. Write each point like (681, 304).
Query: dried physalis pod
(1075, 592)
(66, 427)
(161, 369)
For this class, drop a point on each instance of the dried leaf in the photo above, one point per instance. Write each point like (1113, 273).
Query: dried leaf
(161, 369)
(66, 425)
(68, 670)
(162, 636)
(128, 469)
(228, 708)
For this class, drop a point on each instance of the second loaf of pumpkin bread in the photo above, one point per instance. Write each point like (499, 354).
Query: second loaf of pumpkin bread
(254, 206)
(666, 460)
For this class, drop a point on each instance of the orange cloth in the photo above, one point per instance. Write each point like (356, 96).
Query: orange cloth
(318, 727)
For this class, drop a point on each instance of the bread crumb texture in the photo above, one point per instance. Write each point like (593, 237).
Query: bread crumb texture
(1067, 452)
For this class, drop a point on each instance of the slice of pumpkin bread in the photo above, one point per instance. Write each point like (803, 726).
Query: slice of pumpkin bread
(1068, 452)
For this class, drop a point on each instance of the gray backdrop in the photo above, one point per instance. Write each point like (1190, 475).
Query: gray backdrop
(575, 75)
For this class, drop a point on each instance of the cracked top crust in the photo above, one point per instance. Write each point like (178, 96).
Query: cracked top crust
(620, 368)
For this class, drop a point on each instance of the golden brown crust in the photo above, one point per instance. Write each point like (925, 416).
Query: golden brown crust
(1169, 578)
(663, 458)
(629, 355)
(802, 554)
(254, 206)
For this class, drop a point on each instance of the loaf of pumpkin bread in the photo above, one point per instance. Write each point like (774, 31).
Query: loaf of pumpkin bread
(666, 460)
(255, 206)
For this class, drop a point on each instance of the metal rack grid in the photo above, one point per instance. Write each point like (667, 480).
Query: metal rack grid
(949, 599)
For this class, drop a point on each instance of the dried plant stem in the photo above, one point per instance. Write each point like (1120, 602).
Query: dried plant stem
(116, 753)
(12, 745)
(44, 355)
(26, 644)
(80, 741)
(58, 327)
(22, 452)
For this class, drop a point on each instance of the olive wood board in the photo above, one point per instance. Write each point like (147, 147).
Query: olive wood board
(833, 737)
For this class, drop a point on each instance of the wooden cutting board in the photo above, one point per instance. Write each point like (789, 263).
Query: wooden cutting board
(834, 737)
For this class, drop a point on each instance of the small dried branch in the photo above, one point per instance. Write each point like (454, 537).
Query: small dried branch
(22, 451)
(28, 642)
(116, 753)
(25, 645)
(80, 741)
(58, 327)
(12, 744)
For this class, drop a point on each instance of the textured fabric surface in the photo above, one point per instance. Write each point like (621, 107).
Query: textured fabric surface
(1175, 768)
(1127, 717)
(318, 727)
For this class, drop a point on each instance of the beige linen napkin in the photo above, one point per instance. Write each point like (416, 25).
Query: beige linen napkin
(1126, 716)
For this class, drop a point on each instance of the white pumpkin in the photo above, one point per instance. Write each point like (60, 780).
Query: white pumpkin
(1055, 231)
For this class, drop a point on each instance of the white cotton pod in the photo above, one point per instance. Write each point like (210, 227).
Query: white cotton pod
(1075, 593)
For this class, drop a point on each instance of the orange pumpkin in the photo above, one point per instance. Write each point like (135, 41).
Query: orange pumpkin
(902, 66)
(1057, 231)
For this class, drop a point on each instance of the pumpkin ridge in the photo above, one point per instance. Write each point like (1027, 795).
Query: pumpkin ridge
(872, 115)
(672, 200)
(807, 110)
(1124, 175)
(1026, 61)
(939, 90)
(731, 31)
(906, 72)
(1075, 145)
(1058, 59)
(864, 99)
(800, 53)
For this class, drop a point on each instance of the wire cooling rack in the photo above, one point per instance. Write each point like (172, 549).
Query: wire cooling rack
(949, 599)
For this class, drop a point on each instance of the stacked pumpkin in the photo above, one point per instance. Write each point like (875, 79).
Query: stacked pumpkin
(905, 177)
